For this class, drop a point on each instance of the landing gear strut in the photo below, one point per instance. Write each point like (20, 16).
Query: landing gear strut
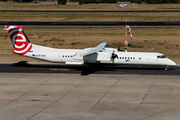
(166, 68)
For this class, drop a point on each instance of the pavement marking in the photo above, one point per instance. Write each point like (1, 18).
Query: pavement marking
(160, 113)
(54, 69)
(154, 78)
(64, 69)
(164, 110)
(169, 80)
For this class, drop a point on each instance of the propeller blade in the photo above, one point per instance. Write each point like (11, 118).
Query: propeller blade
(113, 56)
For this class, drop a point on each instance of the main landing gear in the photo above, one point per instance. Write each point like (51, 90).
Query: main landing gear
(166, 68)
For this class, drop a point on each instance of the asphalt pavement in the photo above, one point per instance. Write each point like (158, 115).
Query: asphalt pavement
(85, 70)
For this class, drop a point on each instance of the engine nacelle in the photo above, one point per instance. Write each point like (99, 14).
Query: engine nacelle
(111, 50)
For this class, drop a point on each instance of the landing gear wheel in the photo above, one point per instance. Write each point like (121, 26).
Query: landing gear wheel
(166, 68)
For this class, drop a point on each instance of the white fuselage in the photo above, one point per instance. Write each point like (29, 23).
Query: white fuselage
(73, 56)
(99, 54)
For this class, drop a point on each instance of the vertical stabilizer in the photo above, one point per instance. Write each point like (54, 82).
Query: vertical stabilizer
(19, 40)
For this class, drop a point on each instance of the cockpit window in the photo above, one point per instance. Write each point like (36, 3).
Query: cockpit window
(161, 56)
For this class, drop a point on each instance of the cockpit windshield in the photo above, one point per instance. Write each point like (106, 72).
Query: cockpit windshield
(161, 56)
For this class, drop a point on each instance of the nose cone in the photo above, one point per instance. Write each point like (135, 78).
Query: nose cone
(171, 63)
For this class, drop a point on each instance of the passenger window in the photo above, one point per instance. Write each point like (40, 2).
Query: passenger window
(131, 57)
(122, 57)
(128, 57)
(125, 58)
(139, 58)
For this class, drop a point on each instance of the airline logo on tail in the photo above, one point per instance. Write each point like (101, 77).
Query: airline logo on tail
(19, 40)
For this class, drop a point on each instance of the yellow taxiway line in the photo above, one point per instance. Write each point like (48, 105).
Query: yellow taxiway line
(160, 112)
(167, 109)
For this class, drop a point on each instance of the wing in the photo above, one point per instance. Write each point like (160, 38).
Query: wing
(98, 48)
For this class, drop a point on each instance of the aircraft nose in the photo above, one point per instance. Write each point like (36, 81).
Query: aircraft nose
(172, 63)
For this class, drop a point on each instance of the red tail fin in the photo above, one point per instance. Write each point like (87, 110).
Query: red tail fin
(19, 40)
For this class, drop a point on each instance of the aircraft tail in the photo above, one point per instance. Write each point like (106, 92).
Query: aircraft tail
(19, 40)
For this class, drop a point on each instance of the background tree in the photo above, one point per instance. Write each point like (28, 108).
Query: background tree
(62, 2)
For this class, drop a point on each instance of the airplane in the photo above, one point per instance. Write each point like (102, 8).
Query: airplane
(96, 55)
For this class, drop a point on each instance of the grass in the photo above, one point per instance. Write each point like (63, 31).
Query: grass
(75, 6)
(163, 40)
(53, 40)
(10, 16)
(135, 46)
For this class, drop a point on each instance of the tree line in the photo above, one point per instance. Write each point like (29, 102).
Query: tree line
(63, 2)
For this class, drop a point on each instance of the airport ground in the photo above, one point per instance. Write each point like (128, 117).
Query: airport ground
(46, 93)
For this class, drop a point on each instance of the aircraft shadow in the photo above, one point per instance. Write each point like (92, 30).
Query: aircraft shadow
(97, 68)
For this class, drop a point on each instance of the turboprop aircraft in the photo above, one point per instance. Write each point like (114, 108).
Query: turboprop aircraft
(96, 55)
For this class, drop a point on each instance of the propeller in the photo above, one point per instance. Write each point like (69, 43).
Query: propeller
(113, 56)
